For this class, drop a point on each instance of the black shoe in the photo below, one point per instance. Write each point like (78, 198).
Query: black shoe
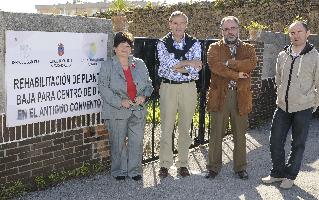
(183, 172)
(211, 174)
(137, 178)
(119, 178)
(242, 174)
(163, 172)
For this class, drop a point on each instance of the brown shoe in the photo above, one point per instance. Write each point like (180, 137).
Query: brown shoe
(183, 172)
(163, 172)
(242, 175)
(211, 174)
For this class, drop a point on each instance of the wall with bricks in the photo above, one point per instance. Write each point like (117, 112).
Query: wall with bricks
(36, 149)
(41, 155)
(256, 83)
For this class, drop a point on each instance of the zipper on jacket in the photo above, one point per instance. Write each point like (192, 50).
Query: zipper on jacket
(289, 81)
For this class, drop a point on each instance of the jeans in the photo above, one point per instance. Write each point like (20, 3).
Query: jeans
(282, 121)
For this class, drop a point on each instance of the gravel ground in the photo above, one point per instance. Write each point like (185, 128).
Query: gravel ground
(224, 186)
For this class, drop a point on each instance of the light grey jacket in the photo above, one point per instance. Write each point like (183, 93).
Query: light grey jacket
(113, 89)
(297, 79)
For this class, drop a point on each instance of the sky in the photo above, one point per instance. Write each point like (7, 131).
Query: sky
(27, 6)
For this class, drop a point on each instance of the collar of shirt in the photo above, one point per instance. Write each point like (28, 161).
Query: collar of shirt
(294, 54)
(179, 45)
(233, 51)
(233, 48)
(236, 44)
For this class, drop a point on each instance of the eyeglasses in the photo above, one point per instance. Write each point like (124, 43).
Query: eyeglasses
(230, 29)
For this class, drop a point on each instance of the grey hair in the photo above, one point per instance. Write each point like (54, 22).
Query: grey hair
(235, 19)
(177, 13)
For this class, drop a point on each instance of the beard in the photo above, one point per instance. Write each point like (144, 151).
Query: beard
(232, 41)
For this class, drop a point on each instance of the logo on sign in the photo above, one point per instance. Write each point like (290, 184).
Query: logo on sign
(25, 51)
(92, 50)
(60, 49)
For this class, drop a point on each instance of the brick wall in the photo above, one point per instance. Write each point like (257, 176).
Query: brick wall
(64, 150)
(264, 94)
(265, 103)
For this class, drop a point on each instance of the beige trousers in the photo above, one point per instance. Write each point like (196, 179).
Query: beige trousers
(181, 98)
(219, 122)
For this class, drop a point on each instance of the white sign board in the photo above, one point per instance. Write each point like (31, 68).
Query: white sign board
(52, 75)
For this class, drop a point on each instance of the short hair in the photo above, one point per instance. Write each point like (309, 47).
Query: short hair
(178, 13)
(303, 23)
(122, 37)
(229, 18)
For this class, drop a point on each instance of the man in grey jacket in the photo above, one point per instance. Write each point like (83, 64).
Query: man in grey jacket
(297, 80)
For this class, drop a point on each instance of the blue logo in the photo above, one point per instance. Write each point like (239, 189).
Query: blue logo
(60, 49)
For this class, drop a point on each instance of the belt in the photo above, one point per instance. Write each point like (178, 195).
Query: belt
(164, 80)
(232, 87)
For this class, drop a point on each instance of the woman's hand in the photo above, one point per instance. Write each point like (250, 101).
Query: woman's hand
(126, 103)
(139, 100)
